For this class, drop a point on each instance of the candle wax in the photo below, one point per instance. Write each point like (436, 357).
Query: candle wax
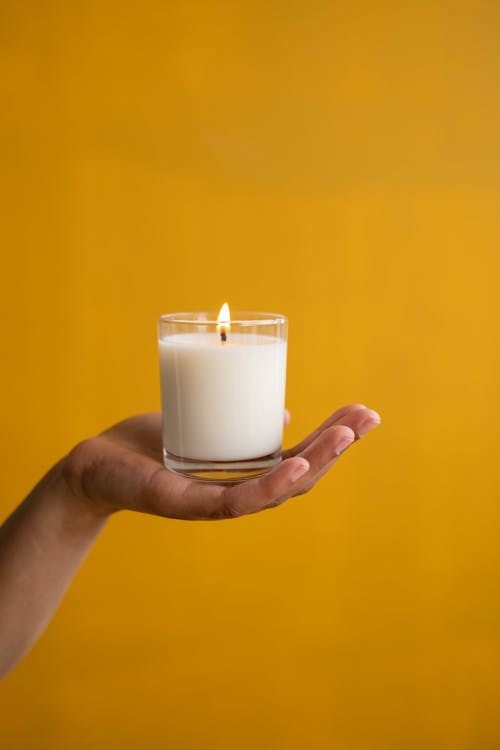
(222, 401)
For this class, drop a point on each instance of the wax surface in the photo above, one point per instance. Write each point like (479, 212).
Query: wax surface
(222, 401)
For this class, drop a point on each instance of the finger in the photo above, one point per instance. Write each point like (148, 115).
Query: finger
(257, 494)
(323, 454)
(351, 414)
(179, 497)
(361, 421)
(287, 418)
(371, 420)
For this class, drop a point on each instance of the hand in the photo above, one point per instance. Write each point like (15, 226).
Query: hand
(123, 469)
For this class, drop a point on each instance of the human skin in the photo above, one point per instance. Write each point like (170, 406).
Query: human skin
(45, 540)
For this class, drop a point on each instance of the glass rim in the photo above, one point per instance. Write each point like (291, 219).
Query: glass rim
(238, 318)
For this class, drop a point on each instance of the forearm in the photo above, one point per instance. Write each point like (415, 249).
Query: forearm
(42, 545)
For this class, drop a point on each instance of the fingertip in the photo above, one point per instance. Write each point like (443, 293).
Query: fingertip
(356, 407)
(342, 437)
(300, 466)
(271, 488)
(372, 420)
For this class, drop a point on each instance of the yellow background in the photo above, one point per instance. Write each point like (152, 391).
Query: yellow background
(337, 162)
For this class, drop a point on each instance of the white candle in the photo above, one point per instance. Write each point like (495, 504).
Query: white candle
(222, 400)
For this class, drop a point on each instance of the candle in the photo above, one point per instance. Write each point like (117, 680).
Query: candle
(223, 391)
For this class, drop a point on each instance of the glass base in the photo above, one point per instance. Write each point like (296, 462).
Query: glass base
(222, 472)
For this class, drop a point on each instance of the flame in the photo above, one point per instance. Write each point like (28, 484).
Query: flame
(224, 319)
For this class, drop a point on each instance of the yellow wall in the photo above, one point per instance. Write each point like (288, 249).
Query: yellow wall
(338, 162)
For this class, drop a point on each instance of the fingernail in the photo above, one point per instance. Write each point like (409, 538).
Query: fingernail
(343, 443)
(300, 470)
(368, 424)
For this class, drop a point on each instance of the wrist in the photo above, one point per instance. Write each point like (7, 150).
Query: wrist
(61, 516)
(77, 473)
(75, 512)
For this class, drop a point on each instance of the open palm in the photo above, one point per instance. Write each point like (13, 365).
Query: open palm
(122, 469)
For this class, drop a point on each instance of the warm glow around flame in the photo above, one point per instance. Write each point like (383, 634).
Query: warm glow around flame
(224, 319)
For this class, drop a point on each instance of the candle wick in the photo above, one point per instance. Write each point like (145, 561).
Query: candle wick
(223, 336)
